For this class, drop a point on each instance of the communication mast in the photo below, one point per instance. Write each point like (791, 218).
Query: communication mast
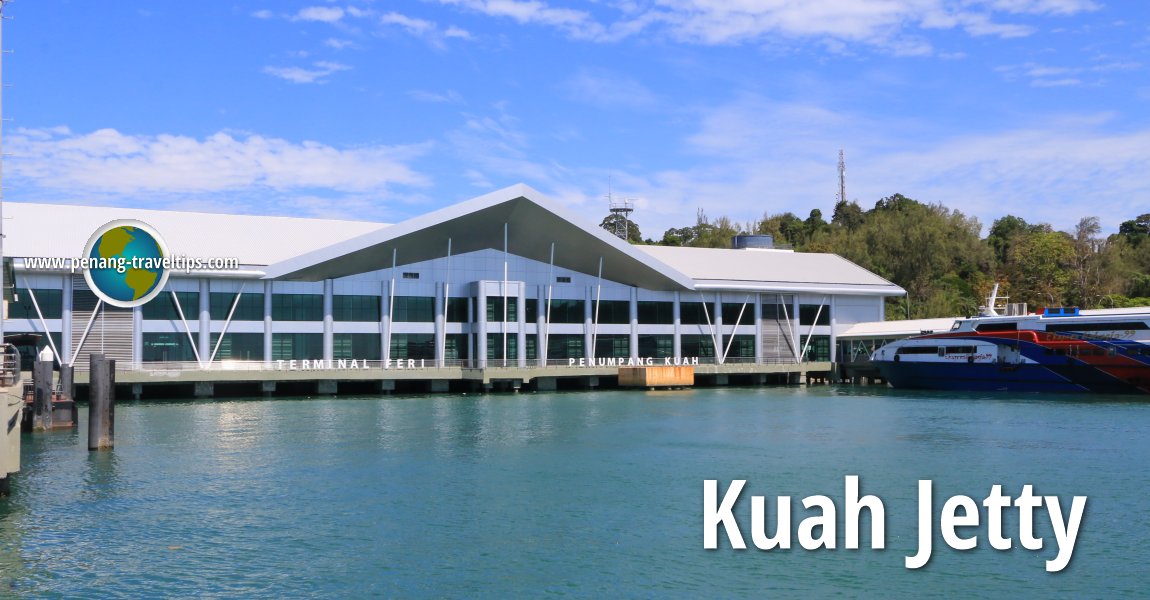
(621, 209)
(842, 177)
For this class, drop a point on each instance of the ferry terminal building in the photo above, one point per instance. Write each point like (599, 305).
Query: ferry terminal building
(508, 289)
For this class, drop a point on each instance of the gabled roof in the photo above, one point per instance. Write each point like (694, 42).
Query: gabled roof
(774, 270)
(533, 224)
(58, 230)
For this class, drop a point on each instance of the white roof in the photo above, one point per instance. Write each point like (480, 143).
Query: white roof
(57, 230)
(771, 269)
(880, 329)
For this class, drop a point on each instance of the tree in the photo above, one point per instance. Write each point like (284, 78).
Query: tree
(612, 220)
(848, 215)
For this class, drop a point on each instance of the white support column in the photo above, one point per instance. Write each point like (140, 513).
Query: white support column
(267, 322)
(758, 322)
(440, 323)
(834, 337)
(204, 339)
(588, 349)
(472, 328)
(137, 336)
(676, 315)
(718, 318)
(481, 322)
(541, 325)
(633, 339)
(521, 324)
(385, 298)
(328, 320)
(66, 326)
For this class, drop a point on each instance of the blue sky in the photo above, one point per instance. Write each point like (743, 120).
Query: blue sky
(386, 110)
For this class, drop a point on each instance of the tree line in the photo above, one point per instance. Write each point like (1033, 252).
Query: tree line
(940, 258)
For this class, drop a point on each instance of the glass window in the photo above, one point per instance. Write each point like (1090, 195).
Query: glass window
(532, 343)
(694, 313)
(531, 310)
(239, 346)
(495, 346)
(249, 308)
(297, 307)
(656, 346)
(457, 310)
(808, 312)
(731, 312)
(656, 313)
(414, 309)
(167, 347)
(612, 346)
(495, 309)
(355, 308)
(51, 304)
(297, 346)
(566, 311)
(161, 308)
(820, 349)
(361, 346)
(455, 347)
(612, 312)
(778, 312)
(413, 346)
(702, 346)
(564, 346)
(742, 346)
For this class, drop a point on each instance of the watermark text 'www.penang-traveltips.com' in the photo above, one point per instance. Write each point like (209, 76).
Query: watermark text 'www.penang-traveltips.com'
(121, 264)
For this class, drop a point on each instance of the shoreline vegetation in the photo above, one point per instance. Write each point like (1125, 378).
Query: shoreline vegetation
(938, 255)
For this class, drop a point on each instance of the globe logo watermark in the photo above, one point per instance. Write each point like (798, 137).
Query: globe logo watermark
(127, 263)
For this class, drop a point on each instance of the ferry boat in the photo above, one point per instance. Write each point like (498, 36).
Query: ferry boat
(1054, 350)
(11, 407)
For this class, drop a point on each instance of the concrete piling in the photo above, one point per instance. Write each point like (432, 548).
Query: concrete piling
(101, 402)
(42, 395)
(68, 390)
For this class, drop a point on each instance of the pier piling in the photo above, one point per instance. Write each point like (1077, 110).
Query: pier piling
(101, 402)
(68, 390)
(42, 395)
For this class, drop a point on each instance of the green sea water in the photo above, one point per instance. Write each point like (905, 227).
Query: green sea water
(593, 494)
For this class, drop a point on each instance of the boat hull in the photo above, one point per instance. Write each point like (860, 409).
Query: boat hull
(1066, 378)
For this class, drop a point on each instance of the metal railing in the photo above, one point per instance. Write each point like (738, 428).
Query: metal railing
(430, 364)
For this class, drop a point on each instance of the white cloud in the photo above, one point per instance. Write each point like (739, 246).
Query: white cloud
(322, 14)
(892, 25)
(448, 97)
(428, 31)
(338, 44)
(263, 14)
(606, 89)
(54, 163)
(316, 74)
(1041, 75)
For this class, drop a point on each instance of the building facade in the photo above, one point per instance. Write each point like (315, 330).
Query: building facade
(507, 280)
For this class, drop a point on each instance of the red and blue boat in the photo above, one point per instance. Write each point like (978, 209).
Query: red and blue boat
(1054, 350)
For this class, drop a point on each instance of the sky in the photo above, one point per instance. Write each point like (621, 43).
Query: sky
(387, 110)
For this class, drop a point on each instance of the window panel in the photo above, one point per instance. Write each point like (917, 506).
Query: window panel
(249, 308)
(162, 308)
(297, 307)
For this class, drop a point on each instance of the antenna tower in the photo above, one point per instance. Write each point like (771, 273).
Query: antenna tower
(842, 177)
(621, 209)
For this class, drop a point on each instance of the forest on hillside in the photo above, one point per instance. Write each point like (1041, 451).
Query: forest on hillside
(940, 258)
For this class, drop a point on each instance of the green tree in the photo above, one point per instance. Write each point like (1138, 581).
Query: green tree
(633, 234)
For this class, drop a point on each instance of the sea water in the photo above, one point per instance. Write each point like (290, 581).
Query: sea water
(590, 494)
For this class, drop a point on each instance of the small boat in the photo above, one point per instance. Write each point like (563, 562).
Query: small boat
(1053, 350)
(11, 407)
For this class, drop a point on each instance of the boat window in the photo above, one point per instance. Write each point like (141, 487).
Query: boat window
(918, 350)
(956, 325)
(1010, 326)
(1113, 326)
(960, 349)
